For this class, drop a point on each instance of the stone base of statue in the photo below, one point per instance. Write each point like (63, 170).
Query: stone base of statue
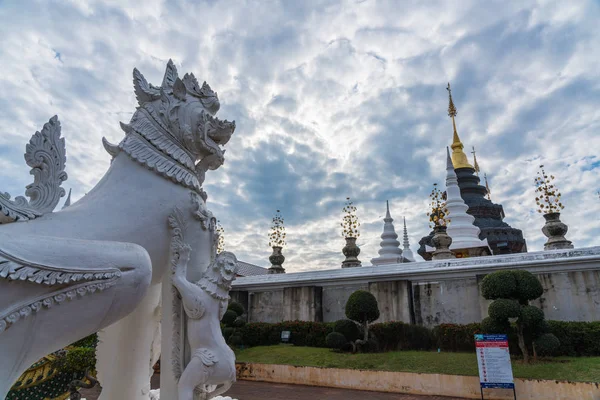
(555, 231)
(277, 260)
(442, 243)
(351, 251)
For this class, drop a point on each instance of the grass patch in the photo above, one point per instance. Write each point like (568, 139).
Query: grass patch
(581, 369)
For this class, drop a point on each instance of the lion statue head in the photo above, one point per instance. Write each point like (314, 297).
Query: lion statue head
(174, 131)
(219, 275)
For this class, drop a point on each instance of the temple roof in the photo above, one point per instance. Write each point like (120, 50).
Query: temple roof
(247, 269)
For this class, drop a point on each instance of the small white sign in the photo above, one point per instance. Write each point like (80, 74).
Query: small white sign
(493, 358)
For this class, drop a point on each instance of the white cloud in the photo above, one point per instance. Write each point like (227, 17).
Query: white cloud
(331, 99)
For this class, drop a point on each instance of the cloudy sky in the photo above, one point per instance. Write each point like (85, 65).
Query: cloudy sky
(331, 99)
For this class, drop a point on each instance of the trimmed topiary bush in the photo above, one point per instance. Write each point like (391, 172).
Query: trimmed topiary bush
(348, 328)
(362, 307)
(547, 345)
(372, 345)
(532, 316)
(237, 308)
(336, 341)
(511, 292)
(229, 317)
(499, 285)
(239, 322)
(491, 325)
(227, 332)
(236, 340)
(503, 309)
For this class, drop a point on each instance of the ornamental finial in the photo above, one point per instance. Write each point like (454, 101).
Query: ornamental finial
(451, 107)
(475, 165)
(459, 158)
(487, 187)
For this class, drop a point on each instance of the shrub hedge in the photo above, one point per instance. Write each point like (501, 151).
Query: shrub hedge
(576, 338)
(302, 333)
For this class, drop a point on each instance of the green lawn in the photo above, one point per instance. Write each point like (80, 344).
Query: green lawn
(585, 369)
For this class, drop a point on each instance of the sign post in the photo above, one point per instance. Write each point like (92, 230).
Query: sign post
(493, 359)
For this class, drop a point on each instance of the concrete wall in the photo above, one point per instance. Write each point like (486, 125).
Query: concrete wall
(335, 298)
(447, 301)
(571, 296)
(394, 300)
(417, 384)
(303, 303)
(426, 293)
(265, 306)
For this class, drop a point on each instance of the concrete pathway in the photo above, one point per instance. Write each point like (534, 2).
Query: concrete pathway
(248, 390)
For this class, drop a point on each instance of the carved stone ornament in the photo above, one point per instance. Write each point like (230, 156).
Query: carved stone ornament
(46, 155)
(276, 259)
(211, 370)
(173, 127)
(555, 230)
(351, 251)
(442, 243)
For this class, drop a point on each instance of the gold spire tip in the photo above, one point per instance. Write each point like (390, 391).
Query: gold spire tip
(451, 107)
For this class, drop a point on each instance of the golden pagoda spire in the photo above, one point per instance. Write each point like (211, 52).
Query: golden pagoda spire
(487, 187)
(459, 158)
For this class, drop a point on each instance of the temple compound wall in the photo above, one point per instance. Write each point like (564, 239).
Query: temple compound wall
(426, 293)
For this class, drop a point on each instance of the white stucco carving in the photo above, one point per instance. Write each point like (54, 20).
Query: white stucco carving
(46, 155)
(102, 259)
(211, 369)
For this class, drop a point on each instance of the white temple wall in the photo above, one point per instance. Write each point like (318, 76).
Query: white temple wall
(335, 298)
(265, 306)
(428, 293)
(394, 300)
(570, 296)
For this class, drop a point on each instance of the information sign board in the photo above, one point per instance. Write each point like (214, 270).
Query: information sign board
(493, 358)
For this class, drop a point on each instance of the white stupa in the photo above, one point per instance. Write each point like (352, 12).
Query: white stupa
(390, 251)
(462, 230)
(406, 251)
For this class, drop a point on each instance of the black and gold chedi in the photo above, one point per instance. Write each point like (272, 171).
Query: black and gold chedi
(502, 238)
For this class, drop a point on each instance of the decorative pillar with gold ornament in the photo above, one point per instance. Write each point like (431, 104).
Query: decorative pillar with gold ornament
(220, 238)
(350, 232)
(277, 241)
(548, 200)
(438, 220)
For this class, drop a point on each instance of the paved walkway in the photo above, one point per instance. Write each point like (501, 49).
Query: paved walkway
(248, 390)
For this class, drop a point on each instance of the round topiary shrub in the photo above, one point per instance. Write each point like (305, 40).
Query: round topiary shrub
(239, 322)
(236, 307)
(347, 328)
(227, 332)
(362, 307)
(336, 341)
(372, 346)
(528, 286)
(532, 316)
(229, 317)
(236, 340)
(490, 325)
(502, 309)
(547, 345)
(498, 285)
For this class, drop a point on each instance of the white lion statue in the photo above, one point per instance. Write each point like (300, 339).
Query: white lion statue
(98, 265)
